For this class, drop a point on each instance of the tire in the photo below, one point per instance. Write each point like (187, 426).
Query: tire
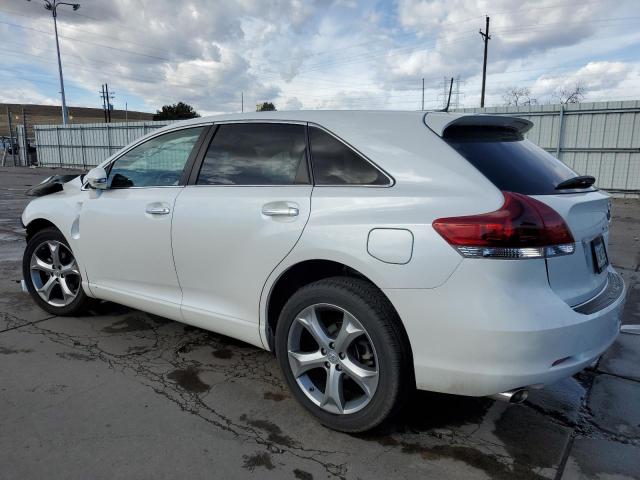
(378, 343)
(56, 269)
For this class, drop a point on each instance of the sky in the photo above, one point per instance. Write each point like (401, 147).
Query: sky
(317, 54)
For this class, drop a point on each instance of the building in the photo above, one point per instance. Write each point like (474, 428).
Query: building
(52, 114)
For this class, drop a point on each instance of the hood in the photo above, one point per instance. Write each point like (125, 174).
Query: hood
(53, 184)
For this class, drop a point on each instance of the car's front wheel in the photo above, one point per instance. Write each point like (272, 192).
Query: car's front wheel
(343, 354)
(52, 275)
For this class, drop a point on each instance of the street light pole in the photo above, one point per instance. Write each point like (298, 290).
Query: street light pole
(53, 5)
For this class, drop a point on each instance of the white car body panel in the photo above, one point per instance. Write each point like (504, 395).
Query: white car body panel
(573, 277)
(476, 326)
(115, 224)
(222, 291)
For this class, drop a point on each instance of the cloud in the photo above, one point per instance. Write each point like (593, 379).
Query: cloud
(292, 104)
(318, 53)
(597, 78)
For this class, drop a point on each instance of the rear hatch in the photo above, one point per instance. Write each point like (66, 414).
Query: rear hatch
(578, 277)
(514, 164)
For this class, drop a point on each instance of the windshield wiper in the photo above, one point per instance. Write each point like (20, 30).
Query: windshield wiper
(583, 181)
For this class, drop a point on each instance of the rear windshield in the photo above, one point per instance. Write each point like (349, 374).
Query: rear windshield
(509, 161)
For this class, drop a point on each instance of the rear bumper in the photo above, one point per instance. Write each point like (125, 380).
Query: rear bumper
(489, 330)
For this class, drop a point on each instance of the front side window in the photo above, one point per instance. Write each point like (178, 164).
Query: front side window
(158, 162)
(334, 163)
(256, 154)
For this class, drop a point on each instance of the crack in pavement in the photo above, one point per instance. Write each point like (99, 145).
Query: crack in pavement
(150, 365)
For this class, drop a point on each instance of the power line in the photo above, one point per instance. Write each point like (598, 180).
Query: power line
(132, 52)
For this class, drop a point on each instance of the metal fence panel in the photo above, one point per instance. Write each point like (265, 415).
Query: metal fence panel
(600, 139)
(86, 145)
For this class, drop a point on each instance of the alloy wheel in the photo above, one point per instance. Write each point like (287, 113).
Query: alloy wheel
(54, 273)
(332, 359)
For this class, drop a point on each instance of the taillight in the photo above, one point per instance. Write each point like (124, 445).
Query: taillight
(522, 228)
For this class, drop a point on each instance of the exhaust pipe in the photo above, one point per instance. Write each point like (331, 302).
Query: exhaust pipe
(517, 395)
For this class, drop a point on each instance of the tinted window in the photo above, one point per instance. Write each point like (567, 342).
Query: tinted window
(511, 163)
(256, 154)
(158, 162)
(334, 163)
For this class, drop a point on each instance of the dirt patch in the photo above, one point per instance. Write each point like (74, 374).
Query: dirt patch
(251, 462)
(223, 353)
(302, 475)
(275, 396)
(134, 323)
(274, 431)
(12, 351)
(76, 356)
(189, 380)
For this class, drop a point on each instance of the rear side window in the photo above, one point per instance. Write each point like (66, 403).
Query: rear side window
(509, 161)
(256, 154)
(334, 163)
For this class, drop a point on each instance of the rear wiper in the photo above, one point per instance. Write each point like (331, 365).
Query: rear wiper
(583, 181)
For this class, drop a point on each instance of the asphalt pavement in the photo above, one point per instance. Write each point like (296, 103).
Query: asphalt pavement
(125, 394)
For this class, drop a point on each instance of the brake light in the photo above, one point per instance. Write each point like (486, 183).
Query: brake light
(522, 228)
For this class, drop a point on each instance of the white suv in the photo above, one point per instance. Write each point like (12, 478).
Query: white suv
(373, 252)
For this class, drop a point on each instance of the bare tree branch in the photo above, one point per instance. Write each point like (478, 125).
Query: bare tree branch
(576, 94)
(518, 96)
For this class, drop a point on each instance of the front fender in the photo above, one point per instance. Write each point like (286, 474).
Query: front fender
(62, 209)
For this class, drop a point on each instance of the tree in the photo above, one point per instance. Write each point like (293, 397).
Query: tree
(265, 107)
(571, 95)
(518, 96)
(177, 111)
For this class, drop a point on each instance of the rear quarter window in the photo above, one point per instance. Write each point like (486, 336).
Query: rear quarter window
(334, 163)
(509, 161)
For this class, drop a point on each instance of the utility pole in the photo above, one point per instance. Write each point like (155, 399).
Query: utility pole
(13, 146)
(52, 6)
(109, 106)
(104, 103)
(24, 139)
(242, 101)
(423, 93)
(486, 37)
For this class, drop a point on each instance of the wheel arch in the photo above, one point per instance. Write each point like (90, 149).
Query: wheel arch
(303, 273)
(37, 224)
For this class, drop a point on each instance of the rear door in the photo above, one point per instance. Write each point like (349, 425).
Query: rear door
(241, 215)
(516, 165)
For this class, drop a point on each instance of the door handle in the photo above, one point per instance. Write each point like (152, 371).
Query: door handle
(157, 210)
(280, 209)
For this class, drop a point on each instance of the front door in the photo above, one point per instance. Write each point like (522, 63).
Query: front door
(243, 215)
(125, 230)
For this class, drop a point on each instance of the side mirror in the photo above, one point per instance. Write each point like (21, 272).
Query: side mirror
(97, 178)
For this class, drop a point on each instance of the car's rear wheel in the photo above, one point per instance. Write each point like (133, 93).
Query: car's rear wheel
(52, 275)
(343, 353)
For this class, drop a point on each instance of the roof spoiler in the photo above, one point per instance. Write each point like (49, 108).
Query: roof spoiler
(440, 122)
